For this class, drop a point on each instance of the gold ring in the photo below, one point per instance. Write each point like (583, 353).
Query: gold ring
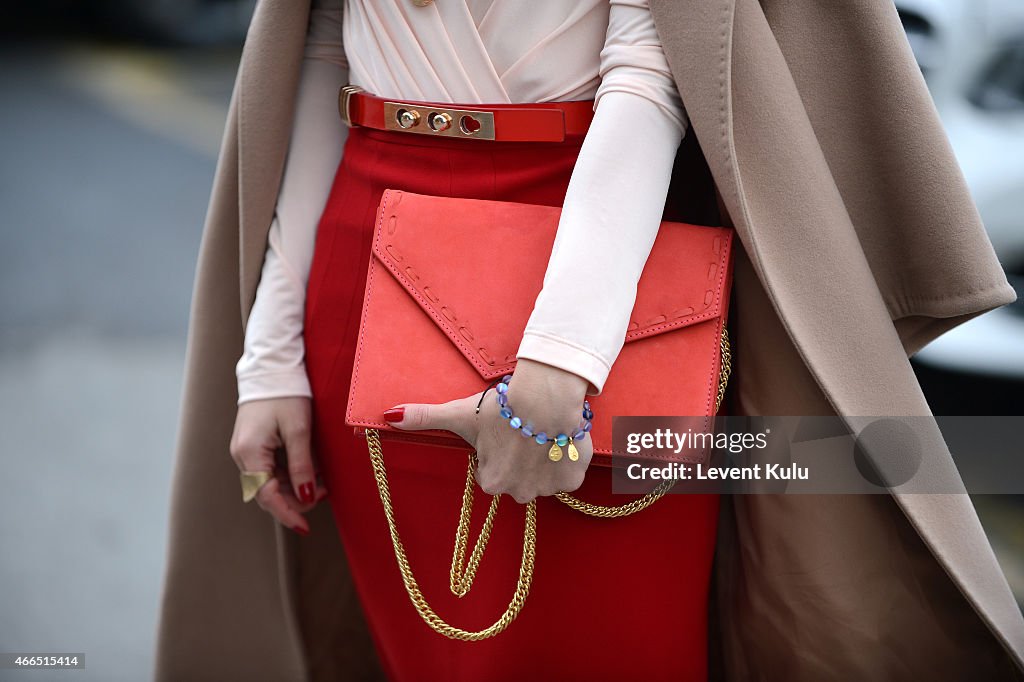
(252, 481)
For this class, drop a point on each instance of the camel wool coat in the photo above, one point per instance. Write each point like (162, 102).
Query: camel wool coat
(859, 244)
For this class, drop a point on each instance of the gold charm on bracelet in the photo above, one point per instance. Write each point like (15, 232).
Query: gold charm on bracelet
(555, 453)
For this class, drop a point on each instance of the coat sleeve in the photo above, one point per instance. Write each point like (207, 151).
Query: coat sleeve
(613, 205)
(272, 363)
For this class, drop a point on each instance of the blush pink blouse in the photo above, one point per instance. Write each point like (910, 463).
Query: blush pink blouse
(487, 51)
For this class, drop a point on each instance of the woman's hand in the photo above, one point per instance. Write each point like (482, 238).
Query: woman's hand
(261, 428)
(548, 397)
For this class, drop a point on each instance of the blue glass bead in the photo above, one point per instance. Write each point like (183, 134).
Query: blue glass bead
(527, 430)
(562, 439)
(515, 422)
(501, 388)
(582, 436)
(507, 378)
(586, 404)
(541, 438)
(587, 414)
(578, 433)
(502, 399)
(505, 412)
(588, 426)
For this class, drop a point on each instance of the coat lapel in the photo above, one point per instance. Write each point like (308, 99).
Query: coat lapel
(746, 111)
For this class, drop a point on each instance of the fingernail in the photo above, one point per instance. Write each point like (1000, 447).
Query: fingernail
(300, 530)
(306, 492)
(394, 414)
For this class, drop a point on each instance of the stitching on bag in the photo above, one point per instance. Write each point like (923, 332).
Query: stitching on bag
(366, 310)
(476, 354)
(484, 367)
(438, 304)
(712, 384)
(441, 320)
(349, 416)
(697, 317)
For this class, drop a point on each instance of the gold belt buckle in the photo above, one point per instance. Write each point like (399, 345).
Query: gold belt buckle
(445, 122)
(344, 101)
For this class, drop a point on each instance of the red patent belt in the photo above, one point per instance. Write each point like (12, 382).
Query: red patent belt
(519, 122)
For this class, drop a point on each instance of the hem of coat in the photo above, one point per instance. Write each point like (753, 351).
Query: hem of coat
(287, 584)
(1012, 648)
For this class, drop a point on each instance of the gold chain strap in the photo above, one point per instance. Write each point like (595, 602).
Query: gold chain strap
(650, 498)
(411, 586)
(463, 572)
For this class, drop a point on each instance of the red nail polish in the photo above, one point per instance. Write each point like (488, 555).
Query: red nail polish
(394, 414)
(300, 530)
(306, 494)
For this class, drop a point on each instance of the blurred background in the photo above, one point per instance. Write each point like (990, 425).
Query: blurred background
(111, 118)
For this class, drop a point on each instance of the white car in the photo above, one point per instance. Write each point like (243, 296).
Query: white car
(972, 55)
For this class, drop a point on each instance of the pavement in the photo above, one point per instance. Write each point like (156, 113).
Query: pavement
(108, 158)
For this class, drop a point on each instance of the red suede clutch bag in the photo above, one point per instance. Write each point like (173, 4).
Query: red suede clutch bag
(434, 312)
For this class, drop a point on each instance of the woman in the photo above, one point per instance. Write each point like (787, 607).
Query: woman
(762, 108)
(606, 60)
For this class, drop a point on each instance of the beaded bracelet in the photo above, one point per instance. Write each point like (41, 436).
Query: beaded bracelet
(526, 430)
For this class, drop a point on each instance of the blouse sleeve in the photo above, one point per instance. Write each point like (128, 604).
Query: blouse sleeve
(613, 205)
(272, 363)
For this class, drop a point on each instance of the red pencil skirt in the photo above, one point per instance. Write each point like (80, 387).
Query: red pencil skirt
(612, 599)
